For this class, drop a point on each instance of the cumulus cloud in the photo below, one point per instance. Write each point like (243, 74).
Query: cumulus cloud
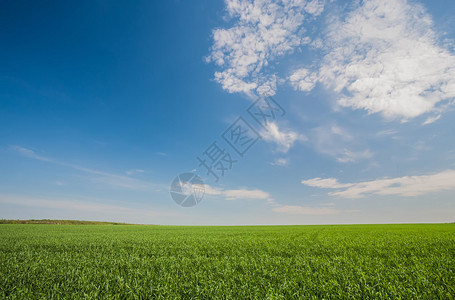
(406, 186)
(263, 30)
(385, 58)
(303, 79)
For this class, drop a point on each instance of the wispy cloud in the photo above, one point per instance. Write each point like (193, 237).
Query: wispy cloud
(328, 183)
(283, 138)
(237, 194)
(63, 204)
(80, 205)
(386, 132)
(406, 186)
(280, 162)
(134, 171)
(385, 58)
(332, 140)
(256, 194)
(307, 210)
(104, 177)
(432, 119)
(29, 153)
(263, 31)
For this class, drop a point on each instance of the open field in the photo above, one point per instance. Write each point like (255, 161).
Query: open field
(275, 262)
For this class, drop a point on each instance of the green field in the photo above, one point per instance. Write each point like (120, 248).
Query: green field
(262, 262)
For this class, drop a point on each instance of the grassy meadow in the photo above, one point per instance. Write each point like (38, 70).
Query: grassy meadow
(39, 261)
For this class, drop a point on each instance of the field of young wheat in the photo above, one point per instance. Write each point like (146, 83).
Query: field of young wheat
(262, 262)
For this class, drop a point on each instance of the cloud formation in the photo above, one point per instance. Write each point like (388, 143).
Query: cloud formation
(100, 207)
(263, 30)
(406, 186)
(283, 138)
(280, 162)
(114, 180)
(385, 58)
(306, 210)
(256, 194)
(237, 194)
(328, 183)
(337, 142)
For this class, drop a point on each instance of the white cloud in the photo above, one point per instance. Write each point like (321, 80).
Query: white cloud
(245, 194)
(256, 194)
(385, 58)
(303, 79)
(283, 138)
(406, 186)
(432, 119)
(353, 156)
(237, 194)
(263, 31)
(331, 183)
(306, 210)
(386, 132)
(280, 162)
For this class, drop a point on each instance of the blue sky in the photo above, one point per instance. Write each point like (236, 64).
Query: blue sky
(104, 103)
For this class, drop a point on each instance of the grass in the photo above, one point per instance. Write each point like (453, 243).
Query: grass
(263, 262)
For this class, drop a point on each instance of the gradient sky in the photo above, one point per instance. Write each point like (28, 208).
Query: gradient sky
(104, 103)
